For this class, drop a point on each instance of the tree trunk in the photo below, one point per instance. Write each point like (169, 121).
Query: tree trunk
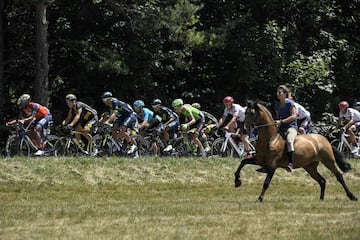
(2, 94)
(41, 83)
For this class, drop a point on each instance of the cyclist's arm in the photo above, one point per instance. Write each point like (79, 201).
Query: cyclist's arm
(349, 123)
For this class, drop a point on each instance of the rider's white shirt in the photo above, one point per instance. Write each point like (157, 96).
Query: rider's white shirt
(236, 110)
(301, 111)
(349, 113)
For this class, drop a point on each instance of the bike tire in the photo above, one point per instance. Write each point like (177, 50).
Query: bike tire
(216, 148)
(344, 150)
(16, 146)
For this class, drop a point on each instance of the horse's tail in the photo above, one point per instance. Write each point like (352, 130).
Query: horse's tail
(340, 160)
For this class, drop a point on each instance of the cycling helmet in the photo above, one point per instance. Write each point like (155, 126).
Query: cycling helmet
(23, 99)
(70, 97)
(106, 95)
(228, 99)
(139, 103)
(155, 103)
(343, 105)
(177, 102)
(196, 105)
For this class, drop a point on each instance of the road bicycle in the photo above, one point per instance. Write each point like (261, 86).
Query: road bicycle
(230, 145)
(107, 145)
(342, 144)
(19, 143)
(69, 145)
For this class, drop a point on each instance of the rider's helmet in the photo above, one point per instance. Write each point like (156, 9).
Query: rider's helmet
(106, 96)
(139, 103)
(177, 102)
(228, 99)
(196, 105)
(70, 97)
(343, 105)
(23, 100)
(155, 103)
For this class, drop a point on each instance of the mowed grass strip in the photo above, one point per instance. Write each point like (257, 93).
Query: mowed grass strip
(169, 198)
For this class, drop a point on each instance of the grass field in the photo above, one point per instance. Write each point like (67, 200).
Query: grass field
(169, 198)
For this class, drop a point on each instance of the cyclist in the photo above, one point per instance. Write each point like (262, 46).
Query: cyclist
(194, 118)
(286, 113)
(81, 117)
(146, 118)
(123, 117)
(39, 117)
(170, 120)
(349, 119)
(210, 124)
(236, 113)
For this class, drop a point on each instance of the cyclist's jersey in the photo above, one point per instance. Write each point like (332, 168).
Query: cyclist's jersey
(86, 112)
(120, 108)
(350, 112)
(284, 112)
(166, 114)
(209, 118)
(145, 115)
(35, 109)
(236, 110)
(301, 111)
(188, 110)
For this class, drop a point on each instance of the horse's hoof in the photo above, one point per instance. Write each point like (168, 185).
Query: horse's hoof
(259, 200)
(237, 183)
(353, 198)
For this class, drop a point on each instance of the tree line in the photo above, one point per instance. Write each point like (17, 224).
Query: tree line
(199, 50)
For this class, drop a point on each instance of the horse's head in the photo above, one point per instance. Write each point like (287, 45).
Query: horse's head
(257, 114)
(251, 114)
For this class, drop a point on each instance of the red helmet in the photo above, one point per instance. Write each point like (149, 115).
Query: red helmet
(343, 105)
(228, 99)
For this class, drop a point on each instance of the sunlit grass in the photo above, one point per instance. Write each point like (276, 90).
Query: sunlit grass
(172, 198)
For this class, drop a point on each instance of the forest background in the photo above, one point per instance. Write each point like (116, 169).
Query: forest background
(200, 50)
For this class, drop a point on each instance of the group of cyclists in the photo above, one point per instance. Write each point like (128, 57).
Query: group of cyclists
(124, 119)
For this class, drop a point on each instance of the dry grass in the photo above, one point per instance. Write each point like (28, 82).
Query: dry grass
(112, 198)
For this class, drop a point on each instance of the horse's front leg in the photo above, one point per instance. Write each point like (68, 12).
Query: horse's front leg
(242, 164)
(266, 184)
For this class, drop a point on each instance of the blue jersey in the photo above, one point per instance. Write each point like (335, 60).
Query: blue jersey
(120, 108)
(145, 115)
(166, 114)
(284, 112)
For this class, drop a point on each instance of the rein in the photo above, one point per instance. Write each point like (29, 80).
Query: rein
(265, 125)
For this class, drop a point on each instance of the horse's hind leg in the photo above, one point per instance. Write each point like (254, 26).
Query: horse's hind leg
(312, 170)
(331, 165)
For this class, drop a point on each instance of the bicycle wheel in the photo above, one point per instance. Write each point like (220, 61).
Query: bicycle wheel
(99, 146)
(16, 146)
(142, 145)
(53, 146)
(216, 148)
(180, 148)
(343, 149)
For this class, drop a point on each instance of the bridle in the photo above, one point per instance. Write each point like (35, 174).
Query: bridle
(262, 125)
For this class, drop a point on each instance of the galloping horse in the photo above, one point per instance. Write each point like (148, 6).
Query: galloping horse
(310, 149)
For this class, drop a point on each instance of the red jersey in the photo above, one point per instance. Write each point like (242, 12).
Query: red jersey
(35, 109)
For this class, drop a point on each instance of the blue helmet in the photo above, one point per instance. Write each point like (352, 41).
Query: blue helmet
(139, 103)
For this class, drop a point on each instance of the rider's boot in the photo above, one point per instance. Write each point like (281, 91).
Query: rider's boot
(291, 161)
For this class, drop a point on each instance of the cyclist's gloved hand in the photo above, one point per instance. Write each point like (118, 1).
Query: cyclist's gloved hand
(184, 127)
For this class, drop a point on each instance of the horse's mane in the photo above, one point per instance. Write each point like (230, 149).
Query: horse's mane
(263, 108)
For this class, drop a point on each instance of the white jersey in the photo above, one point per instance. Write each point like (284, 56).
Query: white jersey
(350, 112)
(236, 110)
(301, 111)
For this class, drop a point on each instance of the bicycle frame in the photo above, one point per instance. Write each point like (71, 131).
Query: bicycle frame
(239, 148)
